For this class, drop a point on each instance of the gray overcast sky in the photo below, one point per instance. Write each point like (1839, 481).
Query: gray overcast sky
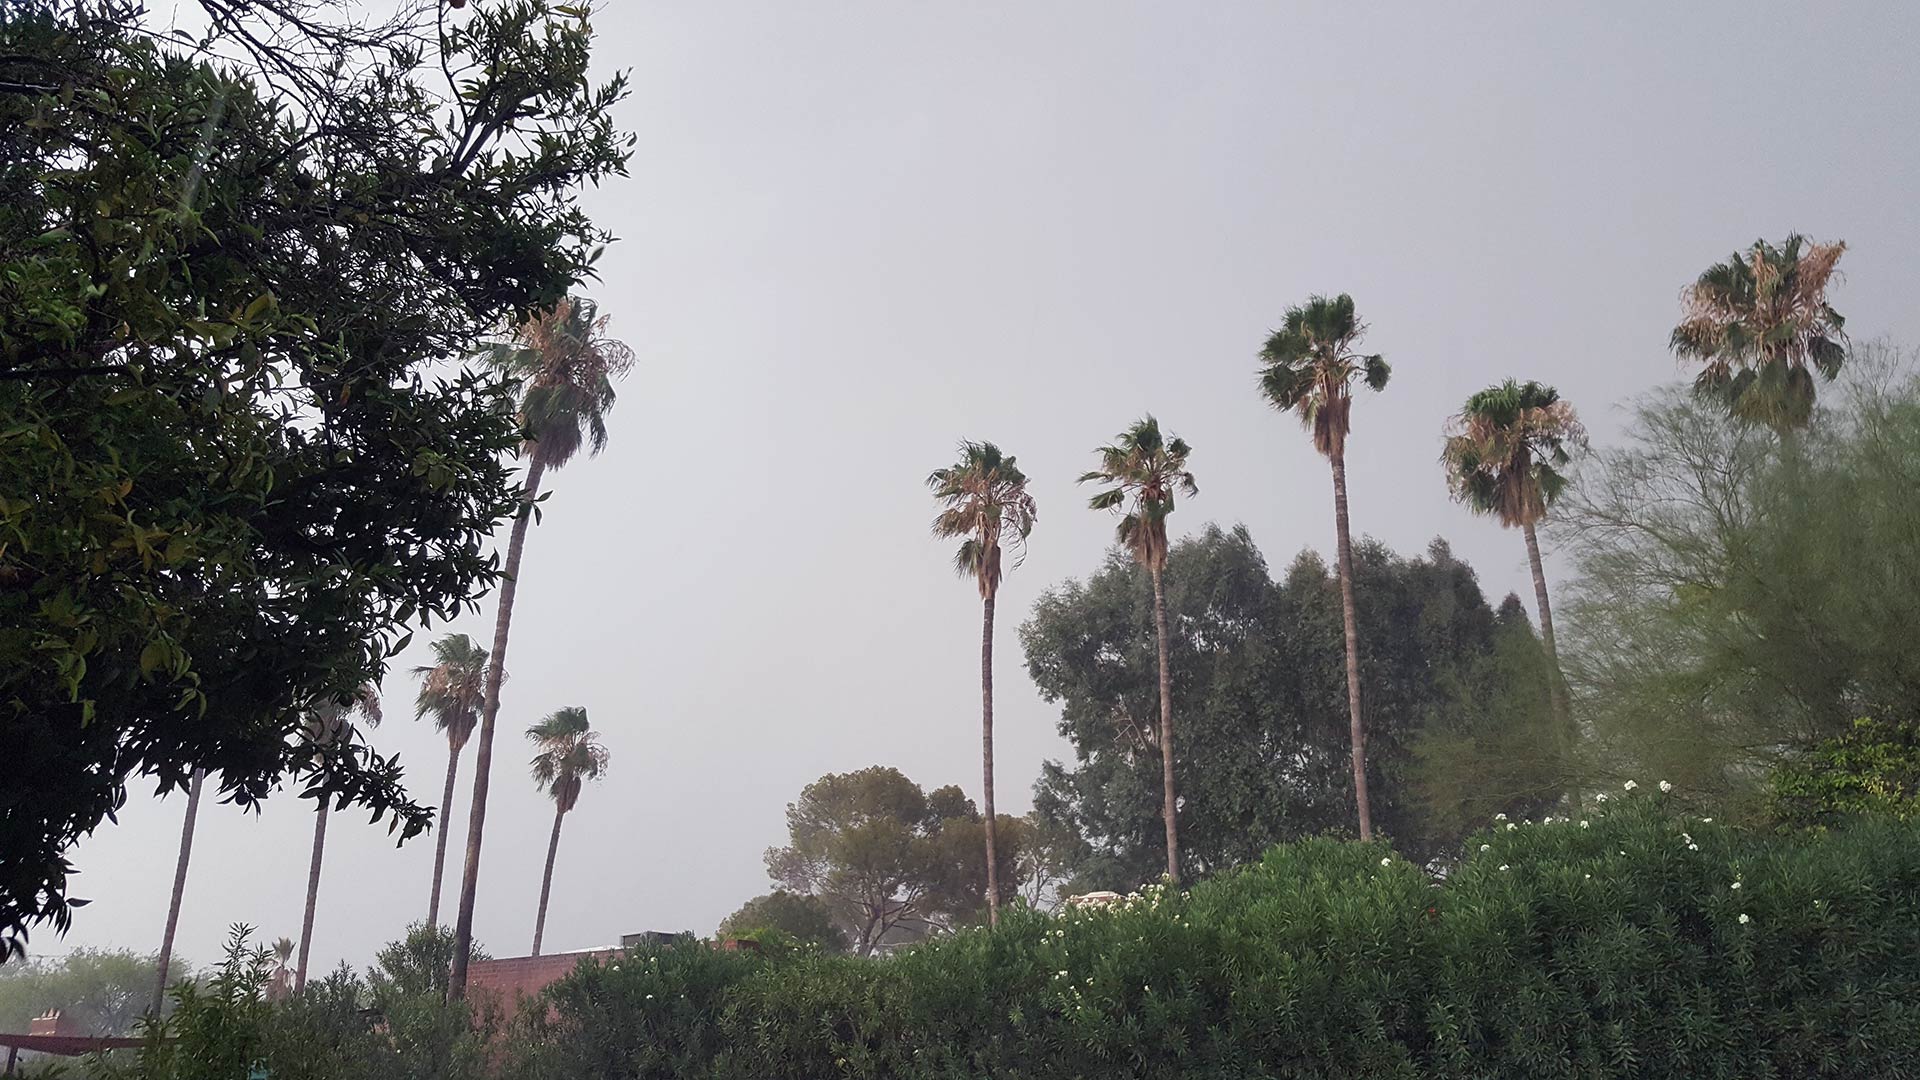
(857, 232)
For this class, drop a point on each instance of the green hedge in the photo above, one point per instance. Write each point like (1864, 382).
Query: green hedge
(1638, 944)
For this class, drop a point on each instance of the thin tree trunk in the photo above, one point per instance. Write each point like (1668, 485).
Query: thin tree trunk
(986, 762)
(1170, 807)
(1356, 731)
(440, 842)
(1556, 681)
(313, 891)
(546, 880)
(483, 758)
(179, 889)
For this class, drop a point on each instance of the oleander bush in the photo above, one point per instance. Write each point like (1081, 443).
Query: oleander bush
(1634, 943)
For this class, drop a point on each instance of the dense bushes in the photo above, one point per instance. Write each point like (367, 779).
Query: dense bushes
(1636, 944)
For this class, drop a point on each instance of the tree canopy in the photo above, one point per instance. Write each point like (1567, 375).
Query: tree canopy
(1258, 668)
(238, 468)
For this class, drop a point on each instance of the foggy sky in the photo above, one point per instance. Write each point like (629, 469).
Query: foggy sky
(858, 232)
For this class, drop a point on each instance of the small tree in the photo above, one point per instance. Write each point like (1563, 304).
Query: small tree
(569, 755)
(804, 918)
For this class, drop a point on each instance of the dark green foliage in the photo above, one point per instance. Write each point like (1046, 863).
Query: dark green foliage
(236, 473)
(1874, 769)
(1260, 692)
(806, 920)
(1640, 945)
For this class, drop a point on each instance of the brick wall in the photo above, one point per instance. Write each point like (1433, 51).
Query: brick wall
(501, 983)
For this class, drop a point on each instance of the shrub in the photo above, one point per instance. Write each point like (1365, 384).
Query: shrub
(1635, 943)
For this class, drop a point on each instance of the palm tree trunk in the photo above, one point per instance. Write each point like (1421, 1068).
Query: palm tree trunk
(1170, 800)
(546, 880)
(1356, 731)
(1556, 682)
(986, 762)
(179, 889)
(483, 758)
(440, 842)
(313, 891)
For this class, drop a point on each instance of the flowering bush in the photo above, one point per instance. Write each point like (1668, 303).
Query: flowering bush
(1631, 943)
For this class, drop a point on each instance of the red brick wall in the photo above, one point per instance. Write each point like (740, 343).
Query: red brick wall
(501, 983)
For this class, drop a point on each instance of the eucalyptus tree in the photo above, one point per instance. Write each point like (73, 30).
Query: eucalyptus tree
(565, 365)
(1503, 455)
(569, 754)
(1309, 367)
(1760, 327)
(985, 504)
(452, 690)
(1144, 472)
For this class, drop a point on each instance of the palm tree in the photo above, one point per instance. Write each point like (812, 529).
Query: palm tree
(565, 365)
(1503, 454)
(452, 690)
(1309, 366)
(1144, 472)
(1761, 326)
(179, 889)
(569, 755)
(330, 723)
(984, 499)
(278, 983)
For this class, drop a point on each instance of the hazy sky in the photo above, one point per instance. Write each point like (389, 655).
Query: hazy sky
(858, 232)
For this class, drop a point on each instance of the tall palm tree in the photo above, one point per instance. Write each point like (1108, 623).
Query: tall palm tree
(179, 889)
(1503, 455)
(1144, 472)
(565, 365)
(452, 690)
(569, 755)
(1308, 368)
(330, 723)
(1761, 326)
(983, 499)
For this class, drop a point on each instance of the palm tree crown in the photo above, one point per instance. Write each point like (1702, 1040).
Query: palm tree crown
(453, 688)
(1505, 450)
(1145, 471)
(1309, 365)
(1761, 326)
(565, 364)
(331, 721)
(985, 502)
(569, 754)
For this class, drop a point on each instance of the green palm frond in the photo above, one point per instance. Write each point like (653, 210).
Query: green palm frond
(1504, 448)
(1760, 327)
(568, 754)
(565, 365)
(985, 502)
(1145, 472)
(1308, 367)
(453, 687)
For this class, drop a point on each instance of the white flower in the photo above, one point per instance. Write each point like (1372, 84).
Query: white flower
(1511, 826)
(1145, 989)
(1630, 785)
(1062, 975)
(1503, 866)
(1583, 824)
(1693, 847)
(1386, 861)
(1588, 877)
(1602, 797)
(1706, 821)
(1743, 919)
(1664, 786)
(1735, 885)
(1686, 838)
(1486, 847)
(1499, 817)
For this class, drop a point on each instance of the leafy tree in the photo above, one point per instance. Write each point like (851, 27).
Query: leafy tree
(879, 851)
(418, 965)
(1733, 608)
(1503, 455)
(984, 499)
(237, 469)
(1761, 327)
(564, 365)
(452, 690)
(1873, 769)
(331, 724)
(805, 918)
(1309, 366)
(1260, 663)
(101, 991)
(569, 755)
(1144, 472)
